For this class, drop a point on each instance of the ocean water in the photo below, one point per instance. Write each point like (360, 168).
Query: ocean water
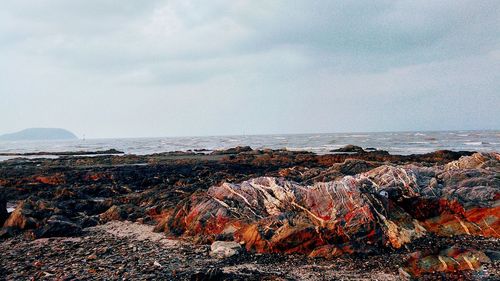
(394, 142)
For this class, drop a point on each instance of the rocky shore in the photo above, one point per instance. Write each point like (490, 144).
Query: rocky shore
(244, 214)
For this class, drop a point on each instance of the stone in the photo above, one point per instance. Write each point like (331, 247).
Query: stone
(387, 206)
(476, 161)
(3, 207)
(58, 226)
(21, 218)
(447, 260)
(224, 249)
(349, 148)
(113, 213)
(273, 215)
(209, 275)
(234, 150)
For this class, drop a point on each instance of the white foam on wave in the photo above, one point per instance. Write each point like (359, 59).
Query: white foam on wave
(358, 136)
(474, 143)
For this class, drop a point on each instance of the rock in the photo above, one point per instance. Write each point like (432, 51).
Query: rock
(494, 255)
(476, 161)
(234, 150)
(40, 218)
(113, 213)
(58, 226)
(7, 232)
(273, 215)
(22, 217)
(386, 206)
(209, 275)
(353, 167)
(448, 260)
(224, 249)
(3, 207)
(350, 149)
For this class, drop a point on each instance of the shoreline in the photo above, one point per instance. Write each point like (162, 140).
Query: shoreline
(80, 197)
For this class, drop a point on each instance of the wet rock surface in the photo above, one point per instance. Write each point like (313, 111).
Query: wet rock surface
(298, 215)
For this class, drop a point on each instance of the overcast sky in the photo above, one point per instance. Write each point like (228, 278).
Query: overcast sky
(172, 68)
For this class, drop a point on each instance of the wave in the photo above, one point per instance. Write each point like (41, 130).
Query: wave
(475, 143)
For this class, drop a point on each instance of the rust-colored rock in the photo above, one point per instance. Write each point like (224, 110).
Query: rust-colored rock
(113, 213)
(56, 179)
(273, 215)
(22, 218)
(386, 206)
(448, 260)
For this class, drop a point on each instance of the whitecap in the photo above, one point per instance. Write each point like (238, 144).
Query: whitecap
(474, 143)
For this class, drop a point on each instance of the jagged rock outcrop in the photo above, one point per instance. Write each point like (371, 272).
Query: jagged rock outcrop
(41, 219)
(386, 206)
(489, 161)
(273, 215)
(28, 215)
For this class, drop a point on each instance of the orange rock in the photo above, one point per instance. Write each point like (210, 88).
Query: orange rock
(56, 179)
(448, 260)
(386, 206)
(273, 215)
(19, 220)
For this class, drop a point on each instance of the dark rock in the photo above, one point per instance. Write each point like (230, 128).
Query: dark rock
(3, 207)
(212, 274)
(58, 226)
(234, 150)
(349, 148)
(7, 232)
(494, 255)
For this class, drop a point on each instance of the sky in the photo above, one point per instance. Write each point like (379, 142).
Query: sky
(122, 68)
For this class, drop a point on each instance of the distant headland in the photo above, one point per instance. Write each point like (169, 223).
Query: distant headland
(39, 134)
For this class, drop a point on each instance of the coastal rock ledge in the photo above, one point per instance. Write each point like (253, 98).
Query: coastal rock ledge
(386, 207)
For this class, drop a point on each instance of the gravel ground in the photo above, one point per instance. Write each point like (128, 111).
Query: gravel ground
(132, 251)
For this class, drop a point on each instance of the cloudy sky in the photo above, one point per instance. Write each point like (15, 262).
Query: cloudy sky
(120, 68)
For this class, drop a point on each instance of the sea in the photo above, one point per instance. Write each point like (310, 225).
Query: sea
(395, 142)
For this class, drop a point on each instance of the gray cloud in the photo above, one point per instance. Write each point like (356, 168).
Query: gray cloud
(127, 68)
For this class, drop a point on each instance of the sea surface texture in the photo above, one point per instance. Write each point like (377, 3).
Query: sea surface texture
(395, 142)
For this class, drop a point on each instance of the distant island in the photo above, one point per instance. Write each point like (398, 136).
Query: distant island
(39, 134)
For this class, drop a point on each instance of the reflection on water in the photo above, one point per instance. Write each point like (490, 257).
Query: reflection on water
(394, 142)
